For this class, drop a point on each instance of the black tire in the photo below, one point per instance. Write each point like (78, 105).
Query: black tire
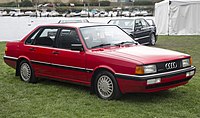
(106, 86)
(26, 72)
(152, 40)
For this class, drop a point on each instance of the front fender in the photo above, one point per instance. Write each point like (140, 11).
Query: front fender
(104, 67)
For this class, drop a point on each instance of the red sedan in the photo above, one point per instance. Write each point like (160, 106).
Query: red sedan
(103, 57)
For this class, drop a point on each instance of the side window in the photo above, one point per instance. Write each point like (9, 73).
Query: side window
(46, 37)
(144, 23)
(138, 23)
(68, 37)
(51, 33)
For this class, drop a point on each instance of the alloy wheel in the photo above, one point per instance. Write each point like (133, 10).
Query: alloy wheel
(25, 72)
(105, 86)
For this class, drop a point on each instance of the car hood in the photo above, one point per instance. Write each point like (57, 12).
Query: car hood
(145, 55)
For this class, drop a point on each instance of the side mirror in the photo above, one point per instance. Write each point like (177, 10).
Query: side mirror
(77, 47)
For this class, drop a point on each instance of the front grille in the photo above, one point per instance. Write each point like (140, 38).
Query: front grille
(161, 66)
(167, 84)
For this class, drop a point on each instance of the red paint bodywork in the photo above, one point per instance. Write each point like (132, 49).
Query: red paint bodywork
(115, 59)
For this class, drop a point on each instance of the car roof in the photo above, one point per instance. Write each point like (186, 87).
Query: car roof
(125, 18)
(74, 20)
(77, 25)
(132, 18)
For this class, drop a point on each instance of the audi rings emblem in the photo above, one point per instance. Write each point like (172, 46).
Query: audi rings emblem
(171, 65)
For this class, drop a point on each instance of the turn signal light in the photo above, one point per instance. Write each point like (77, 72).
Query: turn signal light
(6, 49)
(190, 60)
(139, 70)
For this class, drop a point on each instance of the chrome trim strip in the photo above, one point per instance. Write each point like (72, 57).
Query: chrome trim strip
(63, 66)
(9, 57)
(87, 69)
(73, 67)
(52, 64)
(157, 75)
(68, 66)
(142, 37)
(33, 61)
(145, 43)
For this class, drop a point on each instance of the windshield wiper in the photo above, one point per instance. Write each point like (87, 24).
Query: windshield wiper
(126, 42)
(101, 45)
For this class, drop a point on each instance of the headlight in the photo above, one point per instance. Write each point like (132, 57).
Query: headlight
(146, 69)
(150, 69)
(186, 62)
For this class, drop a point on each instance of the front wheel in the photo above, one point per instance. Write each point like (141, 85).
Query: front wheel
(26, 72)
(106, 86)
(152, 39)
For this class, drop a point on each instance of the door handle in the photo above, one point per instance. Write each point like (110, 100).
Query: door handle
(32, 49)
(55, 52)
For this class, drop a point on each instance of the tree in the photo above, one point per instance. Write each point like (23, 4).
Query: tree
(73, 1)
(90, 1)
(105, 3)
(17, 1)
(26, 3)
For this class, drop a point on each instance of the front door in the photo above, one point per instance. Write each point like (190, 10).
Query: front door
(69, 64)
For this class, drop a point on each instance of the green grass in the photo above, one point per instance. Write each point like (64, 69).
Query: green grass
(56, 99)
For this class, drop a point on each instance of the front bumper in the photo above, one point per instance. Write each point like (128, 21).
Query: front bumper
(138, 83)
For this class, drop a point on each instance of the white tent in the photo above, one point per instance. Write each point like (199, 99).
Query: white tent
(178, 17)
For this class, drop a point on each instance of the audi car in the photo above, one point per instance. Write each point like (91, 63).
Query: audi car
(100, 56)
(138, 28)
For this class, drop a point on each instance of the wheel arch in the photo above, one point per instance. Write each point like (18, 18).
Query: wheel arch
(152, 33)
(21, 58)
(96, 71)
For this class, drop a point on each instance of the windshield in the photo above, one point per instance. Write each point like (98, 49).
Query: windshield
(123, 23)
(99, 36)
(72, 21)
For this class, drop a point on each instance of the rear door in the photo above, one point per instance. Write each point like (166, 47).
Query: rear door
(40, 47)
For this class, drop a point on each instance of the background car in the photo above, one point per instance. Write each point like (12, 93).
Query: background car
(138, 28)
(100, 56)
(74, 21)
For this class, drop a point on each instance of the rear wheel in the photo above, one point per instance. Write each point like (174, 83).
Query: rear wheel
(152, 39)
(26, 72)
(106, 86)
